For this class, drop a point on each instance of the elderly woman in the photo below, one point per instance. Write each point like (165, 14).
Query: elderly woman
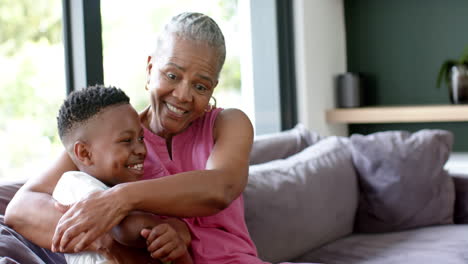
(195, 170)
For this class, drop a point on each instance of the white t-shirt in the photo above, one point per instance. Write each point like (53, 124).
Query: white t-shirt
(72, 187)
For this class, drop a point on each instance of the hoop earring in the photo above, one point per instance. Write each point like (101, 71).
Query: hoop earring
(210, 106)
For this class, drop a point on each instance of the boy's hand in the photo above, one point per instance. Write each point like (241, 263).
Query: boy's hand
(164, 243)
(116, 253)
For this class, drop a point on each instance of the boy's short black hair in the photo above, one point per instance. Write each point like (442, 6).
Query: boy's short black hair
(83, 104)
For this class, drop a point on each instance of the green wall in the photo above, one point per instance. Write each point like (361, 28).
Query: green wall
(398, 46)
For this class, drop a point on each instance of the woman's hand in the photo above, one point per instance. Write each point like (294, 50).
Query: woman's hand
(88, 219)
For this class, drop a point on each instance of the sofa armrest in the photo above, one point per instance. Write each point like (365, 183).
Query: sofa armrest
(460, 181)
(7, 191)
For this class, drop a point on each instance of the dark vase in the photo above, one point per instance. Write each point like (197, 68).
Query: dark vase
(458, 87)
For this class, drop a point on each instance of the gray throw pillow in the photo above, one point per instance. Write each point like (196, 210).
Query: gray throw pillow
(402, 181)
(281, 145)
(300, 203)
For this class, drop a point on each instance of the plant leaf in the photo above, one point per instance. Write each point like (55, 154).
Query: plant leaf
(464, 56)
(444, 72)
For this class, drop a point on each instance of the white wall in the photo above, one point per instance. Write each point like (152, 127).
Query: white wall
(320, 54)
(265, 66)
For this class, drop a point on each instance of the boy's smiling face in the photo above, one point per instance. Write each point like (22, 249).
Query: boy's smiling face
(114, 149)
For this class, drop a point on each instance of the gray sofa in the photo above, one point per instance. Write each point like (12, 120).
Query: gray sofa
(383, 198)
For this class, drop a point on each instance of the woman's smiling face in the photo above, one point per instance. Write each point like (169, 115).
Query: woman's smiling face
(182, 76)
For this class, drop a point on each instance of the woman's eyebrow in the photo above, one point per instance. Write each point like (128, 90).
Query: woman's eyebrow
(202, 76)
(207, 78)
(176, 65)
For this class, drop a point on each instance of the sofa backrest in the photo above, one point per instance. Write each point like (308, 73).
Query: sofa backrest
(282, 144)
(7, 191)
(296, 204)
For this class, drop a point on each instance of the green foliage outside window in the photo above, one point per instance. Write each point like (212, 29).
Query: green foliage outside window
(32, 83)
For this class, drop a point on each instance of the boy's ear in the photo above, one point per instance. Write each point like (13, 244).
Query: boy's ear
(82, 153)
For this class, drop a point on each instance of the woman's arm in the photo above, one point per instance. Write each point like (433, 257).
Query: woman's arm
(188, 194)
(204, 192)
(31, 212)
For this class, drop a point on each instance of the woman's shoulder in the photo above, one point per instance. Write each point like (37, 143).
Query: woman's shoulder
(231, 112)
(221, 122)
(232, 119)
(231, 115)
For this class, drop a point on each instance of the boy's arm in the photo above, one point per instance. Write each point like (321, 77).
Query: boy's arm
(128, 232)
(118, 253)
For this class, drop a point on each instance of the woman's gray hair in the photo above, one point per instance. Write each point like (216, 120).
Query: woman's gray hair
(195, 26)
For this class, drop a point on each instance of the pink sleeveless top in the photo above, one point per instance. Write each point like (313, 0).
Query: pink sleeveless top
(218, 239)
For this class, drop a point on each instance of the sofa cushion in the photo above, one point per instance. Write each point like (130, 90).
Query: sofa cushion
(302, 202)
(14, 248)
(445, 244)
(402, 181)
(281, 145)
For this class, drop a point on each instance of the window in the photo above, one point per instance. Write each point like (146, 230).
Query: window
(32, 85)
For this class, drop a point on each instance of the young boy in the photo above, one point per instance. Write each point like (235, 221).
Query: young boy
(102, 134)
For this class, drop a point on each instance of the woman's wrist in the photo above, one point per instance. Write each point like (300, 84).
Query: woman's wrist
(121, 193)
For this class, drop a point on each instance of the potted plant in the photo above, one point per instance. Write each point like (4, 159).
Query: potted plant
(455, 75)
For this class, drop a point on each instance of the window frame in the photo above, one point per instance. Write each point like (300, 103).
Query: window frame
(82, 37)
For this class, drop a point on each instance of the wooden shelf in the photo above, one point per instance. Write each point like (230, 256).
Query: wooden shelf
(399, 114)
